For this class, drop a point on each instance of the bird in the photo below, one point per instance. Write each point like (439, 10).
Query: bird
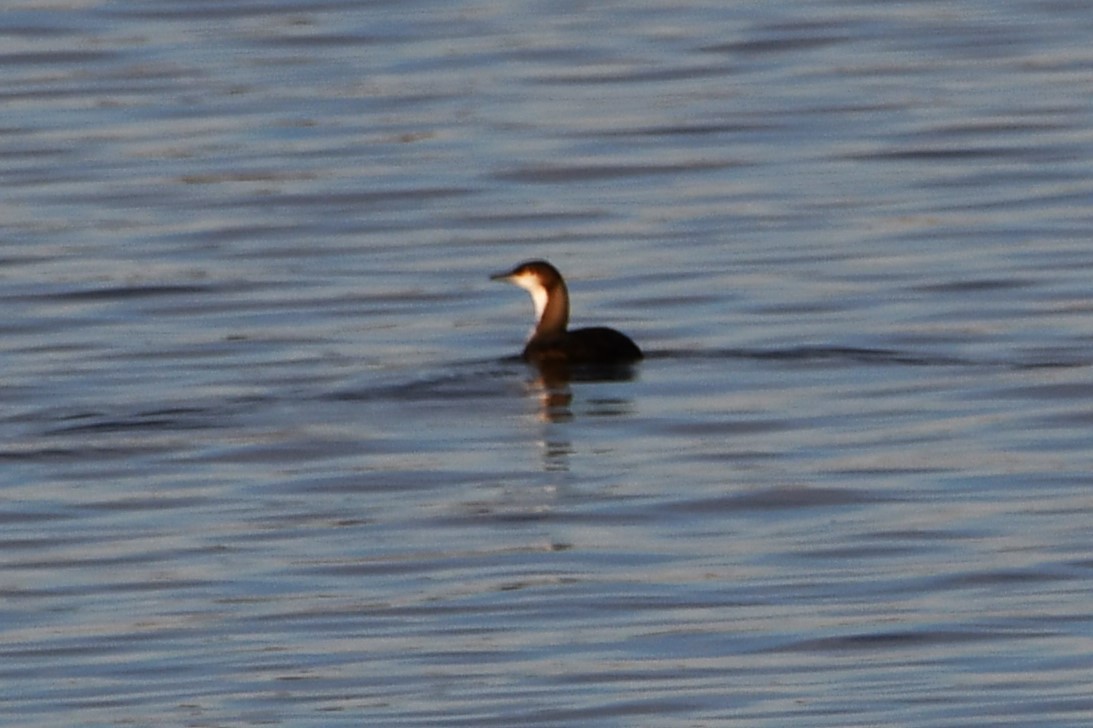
(551, 342)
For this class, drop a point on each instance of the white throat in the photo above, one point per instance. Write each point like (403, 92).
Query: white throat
(531, 284)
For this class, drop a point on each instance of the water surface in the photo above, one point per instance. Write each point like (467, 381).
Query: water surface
(267, 458)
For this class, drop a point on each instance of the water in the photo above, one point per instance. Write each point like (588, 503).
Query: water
(266, 458)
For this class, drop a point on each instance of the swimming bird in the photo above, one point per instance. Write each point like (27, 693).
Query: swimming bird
(551, 343)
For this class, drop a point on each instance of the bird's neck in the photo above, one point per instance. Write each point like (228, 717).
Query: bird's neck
(553, 312)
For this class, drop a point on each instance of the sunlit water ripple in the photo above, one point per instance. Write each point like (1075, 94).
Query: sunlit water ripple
(267, 457)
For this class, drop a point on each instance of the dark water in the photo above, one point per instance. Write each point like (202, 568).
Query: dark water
(264, 459)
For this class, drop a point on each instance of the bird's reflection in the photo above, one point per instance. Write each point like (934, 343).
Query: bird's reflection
(552, 385)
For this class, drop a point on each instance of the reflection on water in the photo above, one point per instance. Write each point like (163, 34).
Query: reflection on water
(553, 379)
(555, 398)
(263, 461)
(553, 388)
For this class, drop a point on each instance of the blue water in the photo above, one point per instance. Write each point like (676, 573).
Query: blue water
(266, 458)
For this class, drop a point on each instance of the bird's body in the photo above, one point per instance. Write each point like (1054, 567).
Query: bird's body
(552, 343)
